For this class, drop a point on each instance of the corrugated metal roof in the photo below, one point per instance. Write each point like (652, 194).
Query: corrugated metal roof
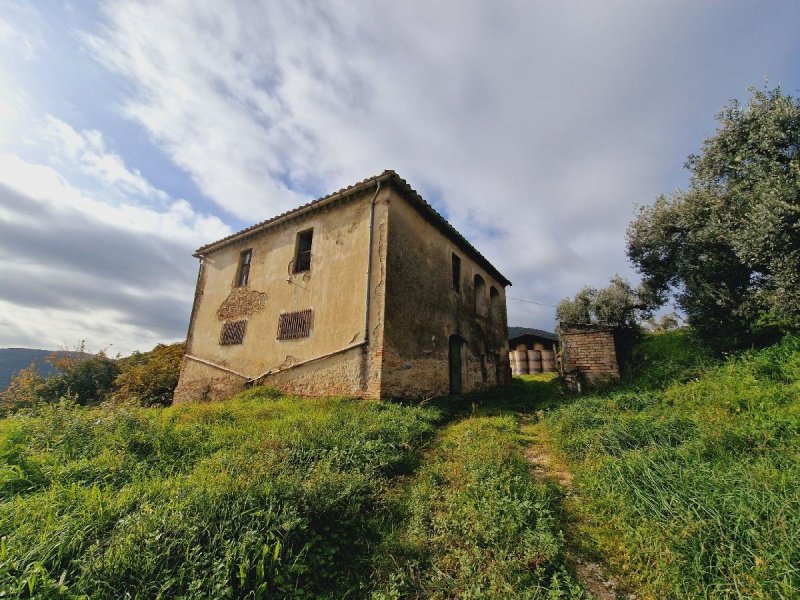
(518, 332)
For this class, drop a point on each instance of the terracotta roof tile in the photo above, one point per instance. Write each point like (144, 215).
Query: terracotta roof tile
(388, 176)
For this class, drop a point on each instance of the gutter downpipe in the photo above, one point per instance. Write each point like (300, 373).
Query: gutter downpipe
(369, 265)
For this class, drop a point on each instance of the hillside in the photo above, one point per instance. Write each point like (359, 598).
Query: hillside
(12, 360)
(684, 482)
(688, 477)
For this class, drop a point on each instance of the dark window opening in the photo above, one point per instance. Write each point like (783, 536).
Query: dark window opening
(302, 259)
(294, 325)
(456, 273)
(232, 333)
(243, 273)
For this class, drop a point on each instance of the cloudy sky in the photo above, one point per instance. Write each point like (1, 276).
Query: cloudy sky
(133, 132)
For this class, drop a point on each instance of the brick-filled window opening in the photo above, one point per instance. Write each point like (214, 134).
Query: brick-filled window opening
(494, 304)
(243, 273)
(232, 333)
(302, 259)
(456, 273)
(294, 325)
(480, 295)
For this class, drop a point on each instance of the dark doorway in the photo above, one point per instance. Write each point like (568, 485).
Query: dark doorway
(455, 360)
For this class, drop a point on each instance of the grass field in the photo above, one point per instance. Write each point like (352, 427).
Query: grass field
(474, 524)
(264, 496)
(255, 497)
(689, 476)
(686, 484)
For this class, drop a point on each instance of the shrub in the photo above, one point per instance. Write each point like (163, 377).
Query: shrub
(150, 378)
(84, 378)
(88, 379)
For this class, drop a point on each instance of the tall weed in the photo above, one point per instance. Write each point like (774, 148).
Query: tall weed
(253, 497)
(693, 488)
(476, 524)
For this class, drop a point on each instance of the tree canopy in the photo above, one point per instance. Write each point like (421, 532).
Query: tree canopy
(728, 248)
(617, 305)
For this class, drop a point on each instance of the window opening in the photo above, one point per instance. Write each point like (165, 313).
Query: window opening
(244, 268)
(456, 273)
(494, 304)
(302, 259)
(480, 296)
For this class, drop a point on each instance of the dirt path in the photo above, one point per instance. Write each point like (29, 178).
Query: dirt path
(544, 467)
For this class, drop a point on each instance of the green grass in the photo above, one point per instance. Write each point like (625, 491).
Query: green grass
(687, 484)
(253, 497)
(265, 496)
(689, 476)
(475, 525)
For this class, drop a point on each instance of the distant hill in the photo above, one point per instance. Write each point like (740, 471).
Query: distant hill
(12, 360)
(517, 331)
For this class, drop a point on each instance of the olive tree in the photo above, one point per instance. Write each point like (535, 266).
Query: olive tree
(728, 247)
(618, 305)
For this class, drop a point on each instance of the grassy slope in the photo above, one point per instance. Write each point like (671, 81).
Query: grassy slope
(263, 496)
(687, 484)
(689, 477)
(472, 523)
(255, 495)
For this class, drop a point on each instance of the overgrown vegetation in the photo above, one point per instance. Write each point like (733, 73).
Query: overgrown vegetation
(254, 497)
(150, 378)
(144, 378)
(689, 475)
(686, 483)
(474, 523)
(728, 248)
(618, 305)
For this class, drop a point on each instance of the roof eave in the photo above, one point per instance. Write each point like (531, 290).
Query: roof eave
(293, 214)
(387, 176)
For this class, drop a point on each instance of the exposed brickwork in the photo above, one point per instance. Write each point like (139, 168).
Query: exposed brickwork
(589, 353)
(240, 303)
(199, 382)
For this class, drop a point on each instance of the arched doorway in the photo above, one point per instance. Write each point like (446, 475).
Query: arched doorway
(456, 364)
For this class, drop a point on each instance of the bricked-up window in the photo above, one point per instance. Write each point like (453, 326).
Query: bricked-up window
(456, 273)
(302, 259)
(232, 333)
(480, 295)
(494, 304)
(243, 274)
(294, 325)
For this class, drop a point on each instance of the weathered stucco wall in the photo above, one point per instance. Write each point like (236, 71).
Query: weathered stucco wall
(334, 289)
(423, 311)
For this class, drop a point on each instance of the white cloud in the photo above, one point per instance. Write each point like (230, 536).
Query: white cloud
(534, 127)
(19, 29)
(537, 126)
(78, 268)
(87, 151)
(46, 185)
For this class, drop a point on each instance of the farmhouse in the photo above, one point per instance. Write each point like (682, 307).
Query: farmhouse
(365, 292)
